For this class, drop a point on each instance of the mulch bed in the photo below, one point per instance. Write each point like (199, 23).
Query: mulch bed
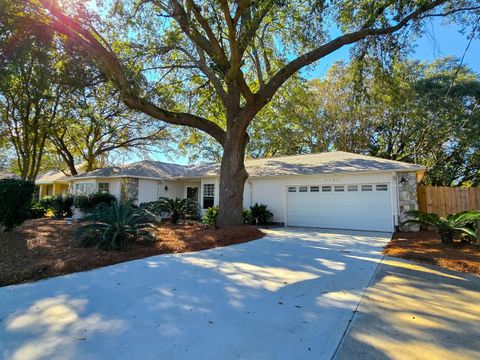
(425, 246)
(45, 247)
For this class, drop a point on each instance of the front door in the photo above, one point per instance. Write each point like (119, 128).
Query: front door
(192, 193)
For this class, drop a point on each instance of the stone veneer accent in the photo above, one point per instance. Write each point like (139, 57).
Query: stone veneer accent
(408, 198)
(129, 189)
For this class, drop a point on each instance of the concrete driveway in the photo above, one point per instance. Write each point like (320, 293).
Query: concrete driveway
(290, 295)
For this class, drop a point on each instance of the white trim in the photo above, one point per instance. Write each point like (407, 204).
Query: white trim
(393, 204)
(123, 176)
(210, 176)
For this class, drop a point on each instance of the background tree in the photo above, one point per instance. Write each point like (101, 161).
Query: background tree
(449, 96)
(241, 52)
(427, 113)
(56, 109)
(28, 100)
(95, 123)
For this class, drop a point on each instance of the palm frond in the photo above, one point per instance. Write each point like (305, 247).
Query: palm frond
(113, 226)
(463, 222)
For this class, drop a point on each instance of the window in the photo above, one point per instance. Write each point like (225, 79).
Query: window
(367, 188)
(292, 189)
(314, 188)
(85, 188)
(104, 188)
(339, 188)
(381, 187)
(352, 187)
(79, 188)
(302, 189)
(90, 188)
(208, 195)
(326, 188)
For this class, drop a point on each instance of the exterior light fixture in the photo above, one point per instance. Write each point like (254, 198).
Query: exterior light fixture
(166, 188)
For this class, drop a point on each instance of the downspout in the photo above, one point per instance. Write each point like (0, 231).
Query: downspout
(395, 199)
(251, 192)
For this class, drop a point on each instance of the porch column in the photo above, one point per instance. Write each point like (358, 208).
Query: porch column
(41, 191)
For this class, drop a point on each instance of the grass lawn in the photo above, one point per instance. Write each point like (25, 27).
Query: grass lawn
(45, 247)
(425, 246)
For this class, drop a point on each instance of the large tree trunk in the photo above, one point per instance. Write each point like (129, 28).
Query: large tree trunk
(232, 181)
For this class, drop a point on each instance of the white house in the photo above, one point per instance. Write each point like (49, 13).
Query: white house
(331, 190)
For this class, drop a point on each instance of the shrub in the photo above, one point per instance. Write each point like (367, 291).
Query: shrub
(87, 203)
(15, 199)
(447, 227)
(260, 214)
(247, 216)
(59, 205)
(178, 208)
(210, 216)
(37, 211)
(45, 202)
(115, 226)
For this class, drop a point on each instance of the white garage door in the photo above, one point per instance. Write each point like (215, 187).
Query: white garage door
(355, 207)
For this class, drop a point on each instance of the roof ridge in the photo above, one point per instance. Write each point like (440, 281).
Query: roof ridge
(297, 155)
(154, 161)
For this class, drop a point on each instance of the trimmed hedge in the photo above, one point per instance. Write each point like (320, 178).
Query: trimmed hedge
(87, 203)
(37, 211)
(15, 200)
(59, 205)
(250, 216)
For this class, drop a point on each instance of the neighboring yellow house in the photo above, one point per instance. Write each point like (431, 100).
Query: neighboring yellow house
(52, 183)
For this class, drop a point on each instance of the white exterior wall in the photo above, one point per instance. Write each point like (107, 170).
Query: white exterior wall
(114, 187)
(247, 194)
(175, 189)
(147, 190)
(272, 191)
(151, 190)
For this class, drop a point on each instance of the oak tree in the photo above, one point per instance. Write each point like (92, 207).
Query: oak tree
(163, 56)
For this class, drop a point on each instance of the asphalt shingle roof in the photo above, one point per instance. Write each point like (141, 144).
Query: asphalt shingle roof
(327, 162)
(147, 168)
(50, 177)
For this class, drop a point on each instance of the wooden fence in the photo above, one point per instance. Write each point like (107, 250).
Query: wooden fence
(444, 200)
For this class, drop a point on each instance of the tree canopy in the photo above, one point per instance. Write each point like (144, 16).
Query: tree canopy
(57, 110)
(177, 60)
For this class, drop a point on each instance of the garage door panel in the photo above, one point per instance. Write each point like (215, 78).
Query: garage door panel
(357, 210)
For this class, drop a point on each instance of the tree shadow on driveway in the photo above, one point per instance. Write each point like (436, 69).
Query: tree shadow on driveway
(288, 295)
(416, 311)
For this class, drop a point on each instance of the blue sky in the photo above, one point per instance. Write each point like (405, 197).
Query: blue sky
(439, 40)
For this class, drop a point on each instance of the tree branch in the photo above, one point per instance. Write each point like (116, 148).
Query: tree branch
(111, 67)
(266, 92)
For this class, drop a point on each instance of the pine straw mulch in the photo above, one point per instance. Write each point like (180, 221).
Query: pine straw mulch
(45, 247)
(425, 246)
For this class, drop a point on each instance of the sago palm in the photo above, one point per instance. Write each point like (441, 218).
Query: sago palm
(448, 226)
(113, 226)
(178, 208)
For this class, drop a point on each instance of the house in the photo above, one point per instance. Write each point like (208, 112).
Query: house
(330, 190)
(52, 183)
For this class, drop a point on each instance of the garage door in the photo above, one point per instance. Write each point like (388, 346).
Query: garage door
(355, 207)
